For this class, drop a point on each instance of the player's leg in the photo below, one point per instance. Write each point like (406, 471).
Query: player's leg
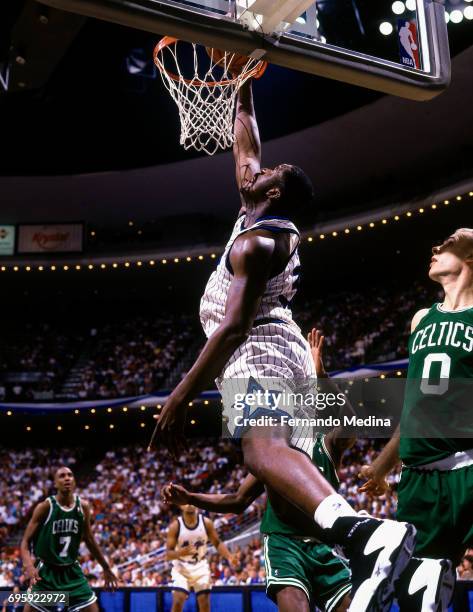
(287, 583)
(201, 583)
(461, 488)
(426, 499)
(203, 601)
(285, 470)
(329, 576)
(178, 600)
(440, 505)
(290, 598)
(312, 569)
(180, 588)
(81, 596)
(421, 502)
(378, 550)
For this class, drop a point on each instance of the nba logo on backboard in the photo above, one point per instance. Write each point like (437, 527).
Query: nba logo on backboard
(408, 43)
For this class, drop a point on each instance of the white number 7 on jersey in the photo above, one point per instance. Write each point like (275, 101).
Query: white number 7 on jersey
(64, 541)
(445, 364)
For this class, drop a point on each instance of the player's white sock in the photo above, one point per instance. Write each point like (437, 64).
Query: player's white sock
(332, 507)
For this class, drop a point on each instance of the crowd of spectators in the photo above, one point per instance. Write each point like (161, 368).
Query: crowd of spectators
(361, 328)
(130, 521)
(127, 357)
(35, 359)
(134, 356)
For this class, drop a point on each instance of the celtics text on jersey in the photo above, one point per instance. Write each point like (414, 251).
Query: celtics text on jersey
(58, 539)
(436, 417)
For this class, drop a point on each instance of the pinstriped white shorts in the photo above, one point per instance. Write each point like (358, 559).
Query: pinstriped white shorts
(277, 360)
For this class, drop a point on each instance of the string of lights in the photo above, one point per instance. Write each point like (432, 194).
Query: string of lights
(378, 221)
(339, 228)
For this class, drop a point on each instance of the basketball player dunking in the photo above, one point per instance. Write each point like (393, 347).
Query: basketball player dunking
(187, 541)
(246, 315)
(56, 529)
(301, 570)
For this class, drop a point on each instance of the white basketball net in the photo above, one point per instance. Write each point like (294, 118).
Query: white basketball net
(205, 99)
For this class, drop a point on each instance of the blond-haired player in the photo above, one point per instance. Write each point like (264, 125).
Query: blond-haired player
(435, 439)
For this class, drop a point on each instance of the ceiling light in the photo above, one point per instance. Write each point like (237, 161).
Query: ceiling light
(386, 28)
(398, 7)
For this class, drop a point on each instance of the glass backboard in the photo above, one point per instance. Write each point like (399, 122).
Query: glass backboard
(399, 47)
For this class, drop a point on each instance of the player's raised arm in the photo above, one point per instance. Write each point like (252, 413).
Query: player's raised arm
(247, 145)
(40, 514)
(111, 581)
(235, 502)
(338, 440)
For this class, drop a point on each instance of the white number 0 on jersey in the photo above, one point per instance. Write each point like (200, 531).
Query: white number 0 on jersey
(445, 364)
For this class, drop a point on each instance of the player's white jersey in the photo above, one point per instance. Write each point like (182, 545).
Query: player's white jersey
(275, 356)
(196, 537)
(275, 304)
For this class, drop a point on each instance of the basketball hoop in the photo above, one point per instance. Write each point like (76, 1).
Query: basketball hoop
(206, 96)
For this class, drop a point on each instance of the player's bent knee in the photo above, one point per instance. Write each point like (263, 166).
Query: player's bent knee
(291, 598)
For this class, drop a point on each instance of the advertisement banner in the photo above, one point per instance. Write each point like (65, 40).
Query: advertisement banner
(65, 238)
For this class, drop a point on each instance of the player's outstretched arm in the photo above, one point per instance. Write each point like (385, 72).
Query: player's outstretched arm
(111, 581)
(251, 259)
(247, 145)
(222, 503)
(388, 459)
(376, 473)
(40, 514)
(219, 545)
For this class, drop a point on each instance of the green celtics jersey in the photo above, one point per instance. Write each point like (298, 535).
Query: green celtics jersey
(58, 538)
(438, 394)
(321, 458)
